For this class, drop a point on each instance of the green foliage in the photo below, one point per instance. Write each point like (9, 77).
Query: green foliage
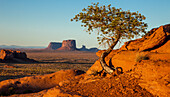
(111, 23)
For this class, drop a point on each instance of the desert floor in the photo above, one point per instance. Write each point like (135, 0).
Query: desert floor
(48, 62)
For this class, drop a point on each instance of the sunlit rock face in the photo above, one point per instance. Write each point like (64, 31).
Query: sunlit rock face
(152, 40)
(68, 45)
(11, 56)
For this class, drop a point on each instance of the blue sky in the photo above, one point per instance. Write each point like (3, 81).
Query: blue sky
(38, 22)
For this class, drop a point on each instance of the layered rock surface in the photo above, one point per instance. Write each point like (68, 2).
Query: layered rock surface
(154, 39)
(147, 59)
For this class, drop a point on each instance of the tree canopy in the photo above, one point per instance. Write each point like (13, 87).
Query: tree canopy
(111, 23)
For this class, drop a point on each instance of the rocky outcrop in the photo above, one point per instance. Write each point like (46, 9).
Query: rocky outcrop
(14, 56)
(10, 54)
(54, 45)
(153, 68)
(68, 45)
(154, 39)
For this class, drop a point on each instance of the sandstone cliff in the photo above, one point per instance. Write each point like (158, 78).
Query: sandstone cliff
(69, 45)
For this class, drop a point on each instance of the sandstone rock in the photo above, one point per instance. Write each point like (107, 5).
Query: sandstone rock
(164, 48)
(54, 45)
(155, 77)
(155, 40)
(69, 45)
(96, 67)
(152, 40)
(167, 29)
(35, 83)
(153, 73)
(14, 56)
(9, 54)
(54, 92)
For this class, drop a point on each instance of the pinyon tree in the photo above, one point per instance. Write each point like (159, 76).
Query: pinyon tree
(111, 25)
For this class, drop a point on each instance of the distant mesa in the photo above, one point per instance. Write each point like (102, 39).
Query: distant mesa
(86, 49)
(68, 45)
(54, 45)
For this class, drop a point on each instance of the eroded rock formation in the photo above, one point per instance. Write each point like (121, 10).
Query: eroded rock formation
(54, 45)
(154, 39)
(153, 68)
(69, 45)
(10, 54)
(14, 56)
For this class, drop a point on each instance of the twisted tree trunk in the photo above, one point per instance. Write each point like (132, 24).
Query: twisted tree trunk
(104, 54)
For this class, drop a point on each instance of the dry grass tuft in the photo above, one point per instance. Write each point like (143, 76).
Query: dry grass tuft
(142, 56)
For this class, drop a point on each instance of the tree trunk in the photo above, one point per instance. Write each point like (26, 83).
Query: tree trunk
(104, 54)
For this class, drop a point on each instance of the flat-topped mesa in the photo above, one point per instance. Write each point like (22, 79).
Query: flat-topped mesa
(54, 45)
(69, 45)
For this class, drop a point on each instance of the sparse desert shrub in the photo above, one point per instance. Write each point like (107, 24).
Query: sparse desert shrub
(141, 57)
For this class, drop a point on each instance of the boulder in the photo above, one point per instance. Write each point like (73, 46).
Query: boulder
(54, 45)
(69, 45)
